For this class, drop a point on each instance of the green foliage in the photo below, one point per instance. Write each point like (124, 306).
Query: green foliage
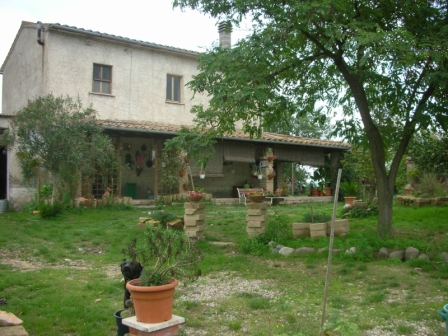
(164, 217)
(359, 163)
(46, 190)
(47, 210)
(165, 254)
(430, 186)
(30, 206)
(64, 138)
(315, 217)
(170, 172)
(349, 189)
(254, 246)
(196, 143)
(372, 210)
(429, 151)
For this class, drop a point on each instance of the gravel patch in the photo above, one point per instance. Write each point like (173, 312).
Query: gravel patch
(220, 285)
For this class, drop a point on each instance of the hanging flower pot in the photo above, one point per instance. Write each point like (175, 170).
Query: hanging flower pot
(202, 176)
(260, 177)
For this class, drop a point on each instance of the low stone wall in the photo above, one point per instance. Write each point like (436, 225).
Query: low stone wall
(416, 201)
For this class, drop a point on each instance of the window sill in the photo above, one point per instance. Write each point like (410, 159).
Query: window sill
(101, 94)
(173, 102)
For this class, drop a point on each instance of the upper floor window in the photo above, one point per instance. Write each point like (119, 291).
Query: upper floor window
(173, 88)
(102, 78)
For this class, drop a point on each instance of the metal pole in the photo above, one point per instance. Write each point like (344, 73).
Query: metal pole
(330, 252)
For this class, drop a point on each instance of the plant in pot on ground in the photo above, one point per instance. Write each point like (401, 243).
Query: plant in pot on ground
(167, 257)
(350, 190)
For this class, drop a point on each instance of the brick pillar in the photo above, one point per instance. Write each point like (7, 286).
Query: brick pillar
(256, 218)
(194, 219)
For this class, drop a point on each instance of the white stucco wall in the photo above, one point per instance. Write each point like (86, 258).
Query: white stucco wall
(138, 78)
(22, 73)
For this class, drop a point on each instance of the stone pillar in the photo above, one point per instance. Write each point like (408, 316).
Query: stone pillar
(280, 180)
(194, 219)
(266, 183)
(256, 218)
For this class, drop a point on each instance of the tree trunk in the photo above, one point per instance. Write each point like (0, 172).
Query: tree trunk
(385, 202)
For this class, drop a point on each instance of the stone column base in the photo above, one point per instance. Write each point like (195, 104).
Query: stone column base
(167, 328)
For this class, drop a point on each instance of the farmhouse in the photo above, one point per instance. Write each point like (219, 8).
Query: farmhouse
(139, 91)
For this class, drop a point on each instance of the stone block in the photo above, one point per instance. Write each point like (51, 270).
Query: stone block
(192, 222)
(256, 224)
(13, 331)
(198, 217)
(338, 231)
(195, 228)
(257, 212)
(189, 205)
(338, 223)
(177, 224)
(194, 211)
(301, 233)
(167, 328)
(253, 232)
(318, 233)
(194, 234)
(251, 206)
(301, 226)
(422, 201)
(318, 226)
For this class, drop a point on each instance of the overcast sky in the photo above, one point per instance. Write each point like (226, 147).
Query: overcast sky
(147, 20)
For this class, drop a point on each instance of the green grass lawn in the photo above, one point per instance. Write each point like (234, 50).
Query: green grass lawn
(61, 276)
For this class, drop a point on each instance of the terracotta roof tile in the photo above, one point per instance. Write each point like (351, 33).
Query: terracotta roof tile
(265, 137)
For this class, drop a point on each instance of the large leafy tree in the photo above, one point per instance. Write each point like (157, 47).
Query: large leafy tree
(63, 137)
(381, 62)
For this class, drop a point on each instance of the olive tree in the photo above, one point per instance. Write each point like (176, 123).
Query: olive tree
(63, 137)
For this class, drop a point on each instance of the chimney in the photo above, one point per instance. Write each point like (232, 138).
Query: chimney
(225, 34)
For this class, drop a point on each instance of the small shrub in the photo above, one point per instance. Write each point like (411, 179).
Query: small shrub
(430, 186)
(317, 217)
(30, 206)
(47, 210)
(164, 217)
(253, 246)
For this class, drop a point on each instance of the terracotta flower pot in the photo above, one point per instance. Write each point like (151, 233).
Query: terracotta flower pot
(153, 304)
(314, 192)
(257, 199)
(350, 200)
(195, 199)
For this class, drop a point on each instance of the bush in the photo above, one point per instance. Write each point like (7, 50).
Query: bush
(47, 210)
(372, 210)
(253, 246)
(317, 217)
(430, 186)
(30, 206)
(163, 217)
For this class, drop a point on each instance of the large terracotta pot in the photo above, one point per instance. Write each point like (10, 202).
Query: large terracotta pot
(349, 200)
(153, 304)
(314, 192)
(194, 199)
(257, 199)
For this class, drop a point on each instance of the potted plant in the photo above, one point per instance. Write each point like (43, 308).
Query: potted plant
(350, 190)
(195, 195)
(271, 173)
(256, 196)
(167, 257)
